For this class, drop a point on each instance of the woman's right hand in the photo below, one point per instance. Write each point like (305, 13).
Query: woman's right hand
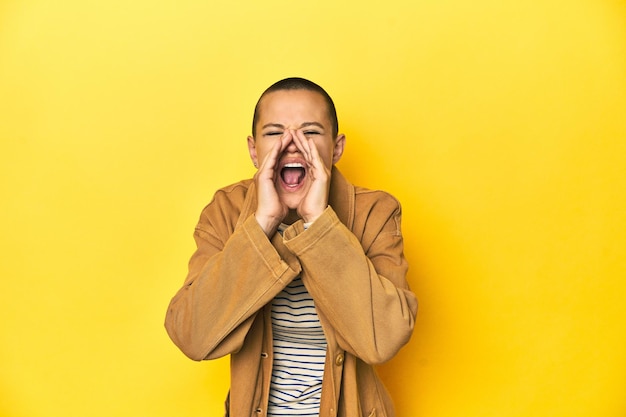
(270, 210)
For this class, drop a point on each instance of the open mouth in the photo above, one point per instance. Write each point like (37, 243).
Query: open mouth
(292, 174)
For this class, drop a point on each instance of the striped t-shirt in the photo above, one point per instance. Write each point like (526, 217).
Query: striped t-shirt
(299, 354)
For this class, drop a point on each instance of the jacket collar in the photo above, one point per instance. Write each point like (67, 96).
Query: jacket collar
(341, 199)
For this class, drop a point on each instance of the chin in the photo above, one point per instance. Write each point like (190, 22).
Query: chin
(292, 201)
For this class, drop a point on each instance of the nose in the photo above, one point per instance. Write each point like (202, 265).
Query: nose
(291, 147)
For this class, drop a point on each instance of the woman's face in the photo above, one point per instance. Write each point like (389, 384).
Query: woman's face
(294, 110)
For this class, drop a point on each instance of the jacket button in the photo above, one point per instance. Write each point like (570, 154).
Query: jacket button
(339, 359)
(258, 411)
(264, 355)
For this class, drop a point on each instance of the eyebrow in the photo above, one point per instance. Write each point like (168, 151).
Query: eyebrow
(305, 124)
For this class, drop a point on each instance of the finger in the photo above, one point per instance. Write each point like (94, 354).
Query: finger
(315, 156)
(303, 145)
(268, 165)
(312, 154)
(285, 139)
(318, 166)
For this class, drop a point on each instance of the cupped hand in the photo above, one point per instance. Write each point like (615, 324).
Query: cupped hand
(315, 200)
(270, 209)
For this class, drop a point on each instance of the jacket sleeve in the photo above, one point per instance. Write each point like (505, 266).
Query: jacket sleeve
(359, 287)
(232, 275)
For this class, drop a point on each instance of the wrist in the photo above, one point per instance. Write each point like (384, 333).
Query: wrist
(310, 218)
(268, 224)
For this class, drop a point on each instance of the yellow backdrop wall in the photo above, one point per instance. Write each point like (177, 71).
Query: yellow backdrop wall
(501, 126)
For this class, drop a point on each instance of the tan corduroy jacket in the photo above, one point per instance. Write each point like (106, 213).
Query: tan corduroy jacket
(352, 263)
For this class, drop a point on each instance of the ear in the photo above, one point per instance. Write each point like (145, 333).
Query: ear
(252, 150)
(340, 142)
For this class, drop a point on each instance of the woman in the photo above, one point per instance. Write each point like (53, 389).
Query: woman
(298, 275)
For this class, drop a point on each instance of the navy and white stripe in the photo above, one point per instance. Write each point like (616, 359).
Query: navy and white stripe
(299, 354)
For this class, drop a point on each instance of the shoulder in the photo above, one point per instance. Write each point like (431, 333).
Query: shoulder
(378, 199)
(377, 213)
(226, 204)
(232, 192)
(355, 203)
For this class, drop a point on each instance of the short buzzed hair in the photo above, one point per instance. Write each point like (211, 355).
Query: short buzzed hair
(296, 83)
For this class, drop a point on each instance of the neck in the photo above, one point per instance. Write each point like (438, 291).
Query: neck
(291, 217)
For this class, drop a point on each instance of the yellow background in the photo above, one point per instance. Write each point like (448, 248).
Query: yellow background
(500, 125)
